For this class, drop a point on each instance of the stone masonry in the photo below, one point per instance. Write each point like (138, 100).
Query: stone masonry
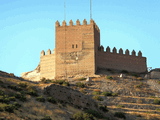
(78, 52)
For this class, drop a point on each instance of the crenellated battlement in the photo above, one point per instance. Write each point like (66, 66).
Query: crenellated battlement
(48, 52)
(78, 52)
(120, 51)
(77, 23)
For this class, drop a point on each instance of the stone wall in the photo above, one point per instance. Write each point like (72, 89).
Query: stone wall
(121, 61)
(47, 65)
(70, 96)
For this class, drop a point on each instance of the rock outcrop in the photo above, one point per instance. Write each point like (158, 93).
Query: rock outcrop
(32, 75)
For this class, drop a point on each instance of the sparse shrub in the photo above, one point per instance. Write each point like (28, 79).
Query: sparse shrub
(16, 105)
(79, 84)
(21, 97)
(120, 106)
(14, 87)
(83, 116)
(107, 93)
(12, 98)
(40, 99)
(65, 84)
(1, 98)
(109, 77)
(23, 85)
(60, 82)
(1, 81)
(114, 94)
(87, 116)
(51, 100)
(103, 108)
(158, 82)
(156, 101)
(46, 118)
(1, 92)
(6, 99)
(83, 91)
(94, 113)
(5, 107)
(139, 85)
(9, 108)
(32, 92)
(139, 115)
(120, 115)
(98, 98)
(81, 79)
(44, 80)
(158, 109)
(96, 92)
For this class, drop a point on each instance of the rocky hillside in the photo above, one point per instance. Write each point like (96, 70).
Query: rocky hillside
(25, 100)
(117, 98)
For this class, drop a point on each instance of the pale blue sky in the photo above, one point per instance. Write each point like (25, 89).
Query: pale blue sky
(27, 27)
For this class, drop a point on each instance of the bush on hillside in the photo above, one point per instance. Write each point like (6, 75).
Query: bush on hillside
(94, 113)
(156, 101)
(51, 100)
(32, 92)
(103, 108)
(96, 93)
(107, 93)
(120, 115)
(97, 98)
(40, 99)
(46, 118)
(65, 84)
(60, 82)
(79, 84)
(109, 77)
(44, 80)
(21, 97)
(82, 116)
(22, 85)
(14, 87)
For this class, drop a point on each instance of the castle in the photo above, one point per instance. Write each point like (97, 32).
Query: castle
(78, 52)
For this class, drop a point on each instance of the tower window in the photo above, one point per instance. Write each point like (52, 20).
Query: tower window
(76, 46)
(72, 46)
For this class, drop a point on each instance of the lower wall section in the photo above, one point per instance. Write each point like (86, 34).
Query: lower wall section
(75, 63)
(47, 66)
(116, 61)
(70, 96)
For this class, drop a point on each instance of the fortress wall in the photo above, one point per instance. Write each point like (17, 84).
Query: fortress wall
(70, 96)
(47, 65)
(117, 61)
(75, 48)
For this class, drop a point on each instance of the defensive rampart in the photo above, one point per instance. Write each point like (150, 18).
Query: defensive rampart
(121, 61)
(47, 64)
